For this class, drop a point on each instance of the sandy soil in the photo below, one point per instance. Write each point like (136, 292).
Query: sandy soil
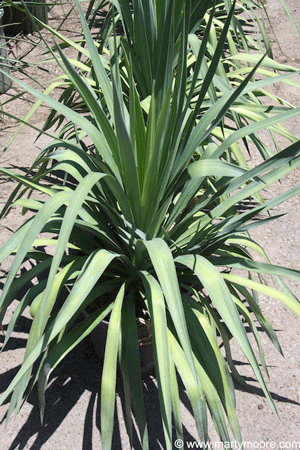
(72, 413)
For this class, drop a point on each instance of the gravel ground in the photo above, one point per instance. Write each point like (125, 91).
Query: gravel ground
(72, 419)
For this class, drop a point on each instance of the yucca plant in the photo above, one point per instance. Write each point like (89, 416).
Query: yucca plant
(229, 67)
(146, 220)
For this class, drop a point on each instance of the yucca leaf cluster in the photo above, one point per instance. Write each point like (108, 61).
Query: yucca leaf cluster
(144, 212)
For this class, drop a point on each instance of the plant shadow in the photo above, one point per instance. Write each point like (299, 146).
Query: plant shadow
(80, 371)
(253, 387)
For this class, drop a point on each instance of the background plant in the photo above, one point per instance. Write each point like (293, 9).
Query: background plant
(151, 204)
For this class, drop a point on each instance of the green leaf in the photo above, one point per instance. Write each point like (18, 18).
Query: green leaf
(194, 390)
(64, 346)
(212, 167)
(89, 275)
(34, 227)
(132, 379)
(163, 263)
(286, 299)
(109, 374)
(157, 310)
(221, 298)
